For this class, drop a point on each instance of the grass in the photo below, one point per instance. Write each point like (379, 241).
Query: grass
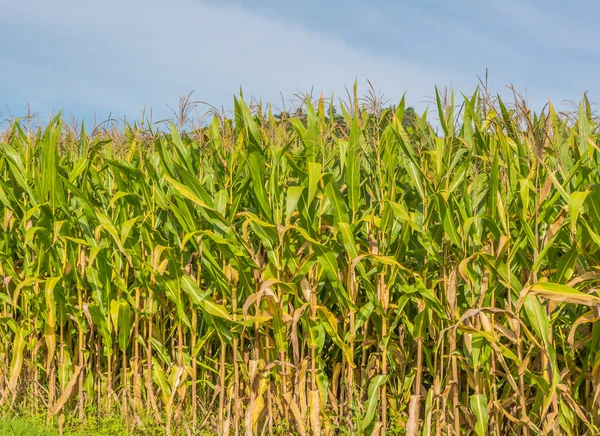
(326, 273)
(31, 425)
(24, 427)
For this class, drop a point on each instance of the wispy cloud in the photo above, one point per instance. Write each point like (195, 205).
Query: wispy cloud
(136, 53)
(120, 57)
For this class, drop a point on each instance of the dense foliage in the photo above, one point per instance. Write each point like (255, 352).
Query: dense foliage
(314, 275)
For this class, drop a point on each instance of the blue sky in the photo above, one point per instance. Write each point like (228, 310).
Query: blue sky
(96, 58)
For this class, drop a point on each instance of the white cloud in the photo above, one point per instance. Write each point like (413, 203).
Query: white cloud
(122, 55)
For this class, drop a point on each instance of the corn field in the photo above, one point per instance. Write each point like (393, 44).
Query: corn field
(308, 275)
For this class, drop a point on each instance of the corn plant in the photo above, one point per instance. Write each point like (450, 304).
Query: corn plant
(319, 274)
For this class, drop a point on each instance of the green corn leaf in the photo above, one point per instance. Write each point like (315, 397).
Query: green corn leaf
(372, 400)
(478, 404)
